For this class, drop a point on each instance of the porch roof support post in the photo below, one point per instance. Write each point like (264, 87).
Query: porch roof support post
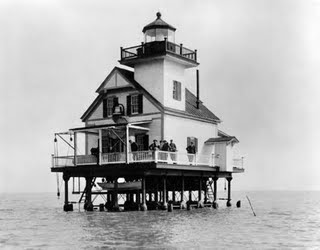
(127, 143)
(75, 148)
(100, 146)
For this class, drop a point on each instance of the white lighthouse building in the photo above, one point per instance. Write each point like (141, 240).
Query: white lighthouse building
(151, 102)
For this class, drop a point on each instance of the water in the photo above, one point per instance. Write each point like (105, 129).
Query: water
(285, 220)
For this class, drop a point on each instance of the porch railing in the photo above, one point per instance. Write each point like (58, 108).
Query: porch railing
(108, 158)
(212, 160)
(238, 163)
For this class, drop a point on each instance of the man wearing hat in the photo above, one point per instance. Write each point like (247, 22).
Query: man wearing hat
(154, 146)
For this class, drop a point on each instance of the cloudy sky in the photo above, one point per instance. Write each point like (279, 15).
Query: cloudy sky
(259, 70)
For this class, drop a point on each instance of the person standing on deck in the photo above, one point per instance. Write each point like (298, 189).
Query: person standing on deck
(154, 146)
(165, 147)
(134, 148)
(173, 148)
(191, 150)
(161, 145)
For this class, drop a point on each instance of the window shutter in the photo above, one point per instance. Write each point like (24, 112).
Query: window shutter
(105, 108)
(115, 101)
(179, 90)
(128, 105)
(188, 141)
(140, 104)
(146, 142)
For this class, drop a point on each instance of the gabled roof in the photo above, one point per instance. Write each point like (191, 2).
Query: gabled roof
(158, 23)
(127, 75)
(202, 113)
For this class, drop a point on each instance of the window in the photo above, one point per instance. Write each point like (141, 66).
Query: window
(108, 104)
(134, 104)
(142, 141)
(177, 90)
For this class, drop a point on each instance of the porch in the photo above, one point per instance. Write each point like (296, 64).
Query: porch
(117, 139)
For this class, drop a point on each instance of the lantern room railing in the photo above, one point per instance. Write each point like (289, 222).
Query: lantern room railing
(157, 48)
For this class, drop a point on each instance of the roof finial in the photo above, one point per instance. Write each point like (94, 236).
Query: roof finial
(158, 15)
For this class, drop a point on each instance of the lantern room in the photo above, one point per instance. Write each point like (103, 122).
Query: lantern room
(158, 30)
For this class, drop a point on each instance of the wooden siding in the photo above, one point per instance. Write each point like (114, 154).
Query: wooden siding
(179, 129)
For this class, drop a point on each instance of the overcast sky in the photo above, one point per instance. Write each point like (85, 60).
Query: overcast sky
(259, 73)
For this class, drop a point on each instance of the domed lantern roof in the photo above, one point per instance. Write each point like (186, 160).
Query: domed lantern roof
(158, 30)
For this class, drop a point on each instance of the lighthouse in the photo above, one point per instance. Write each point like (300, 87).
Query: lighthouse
(149, 130)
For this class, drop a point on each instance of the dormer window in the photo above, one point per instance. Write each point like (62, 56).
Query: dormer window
(177, 90)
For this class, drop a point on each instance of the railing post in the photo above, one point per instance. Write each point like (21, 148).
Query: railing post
(155, 156)
(100, 146)
(195, 159)
(165, 44)
(142, 47)
(75, 148)
(195, 55)
(121, 53)
(181, 47)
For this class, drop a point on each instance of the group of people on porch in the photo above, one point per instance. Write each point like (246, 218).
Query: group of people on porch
(163, 146)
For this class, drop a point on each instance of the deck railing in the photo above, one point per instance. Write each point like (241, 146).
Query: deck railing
(157, 48)
(238, 163)
(138, 156)
(212, 160)
(108, 158)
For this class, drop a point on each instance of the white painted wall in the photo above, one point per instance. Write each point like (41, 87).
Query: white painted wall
(173, 72)
(157, 78)
(229, 157)
(179, 129)
(221, 150)
(150, 76)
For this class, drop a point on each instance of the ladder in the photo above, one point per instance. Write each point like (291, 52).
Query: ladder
(85, 189)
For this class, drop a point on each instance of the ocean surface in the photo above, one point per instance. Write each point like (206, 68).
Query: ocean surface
(285, 220)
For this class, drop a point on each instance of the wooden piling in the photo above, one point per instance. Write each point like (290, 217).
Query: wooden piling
(229, 191)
